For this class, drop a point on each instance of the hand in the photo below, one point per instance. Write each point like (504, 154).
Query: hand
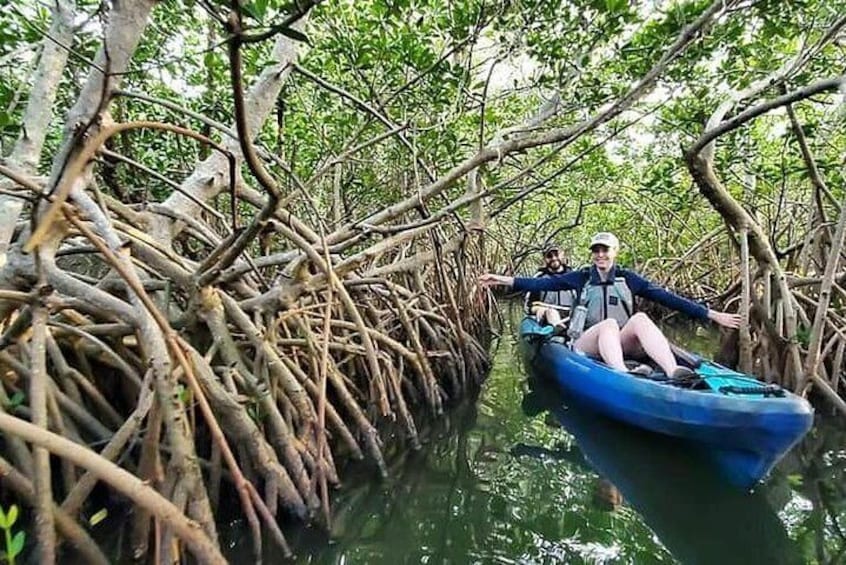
(725, 319)
(490, 279)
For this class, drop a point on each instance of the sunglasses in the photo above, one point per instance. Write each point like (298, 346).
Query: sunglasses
(550, 254)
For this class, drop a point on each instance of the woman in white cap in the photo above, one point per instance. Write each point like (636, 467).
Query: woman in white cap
(613, 329)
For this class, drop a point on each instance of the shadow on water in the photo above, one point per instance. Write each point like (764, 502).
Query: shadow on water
(697, 515)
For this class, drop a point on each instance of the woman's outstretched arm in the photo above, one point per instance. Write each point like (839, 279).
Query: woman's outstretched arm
(651, 291)
(725, 319)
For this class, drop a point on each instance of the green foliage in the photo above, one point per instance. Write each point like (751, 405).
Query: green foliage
(257, 9)
(16, 400)
(456, 73)
(255, 411)
(795, 481)
(803, 335)
(14, 540)
(186, 395)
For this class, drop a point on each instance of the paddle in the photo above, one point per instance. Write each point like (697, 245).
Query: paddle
(723, 379)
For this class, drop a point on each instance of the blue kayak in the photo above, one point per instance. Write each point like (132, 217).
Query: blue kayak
(745, 425)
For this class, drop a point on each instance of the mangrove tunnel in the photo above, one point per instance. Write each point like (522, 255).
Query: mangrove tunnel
(240, 240)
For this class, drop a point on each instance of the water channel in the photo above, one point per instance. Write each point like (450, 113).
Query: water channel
(517, 477)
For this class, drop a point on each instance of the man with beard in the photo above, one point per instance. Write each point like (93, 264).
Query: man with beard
(551, 306)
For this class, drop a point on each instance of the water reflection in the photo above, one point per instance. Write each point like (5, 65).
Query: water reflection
(514, 477)
(470, 496)
(813, 504)
(695, 513)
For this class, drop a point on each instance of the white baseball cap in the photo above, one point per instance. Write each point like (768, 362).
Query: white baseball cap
(605, 238)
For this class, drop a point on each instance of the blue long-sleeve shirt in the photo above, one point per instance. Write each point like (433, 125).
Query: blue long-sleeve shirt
(576, 280)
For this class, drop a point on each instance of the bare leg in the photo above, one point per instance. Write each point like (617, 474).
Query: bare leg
(550, 315)
(640, 334)
(603, 339)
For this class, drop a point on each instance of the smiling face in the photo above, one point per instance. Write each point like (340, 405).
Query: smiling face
(603, 257)
(553, 260)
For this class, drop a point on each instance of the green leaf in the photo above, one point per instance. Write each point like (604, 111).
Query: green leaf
(794, 480)
(803, 334)
(295, 35)
(98, 517)
(616, 5)
(256, 10)
(3, 523)
(185, 394)
(17, 399)
(208, 59)
(17, 544)
(12, 516)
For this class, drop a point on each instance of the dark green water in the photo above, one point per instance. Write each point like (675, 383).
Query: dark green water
(517, 478)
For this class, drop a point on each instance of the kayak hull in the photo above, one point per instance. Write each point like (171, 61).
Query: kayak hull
(745, 434)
